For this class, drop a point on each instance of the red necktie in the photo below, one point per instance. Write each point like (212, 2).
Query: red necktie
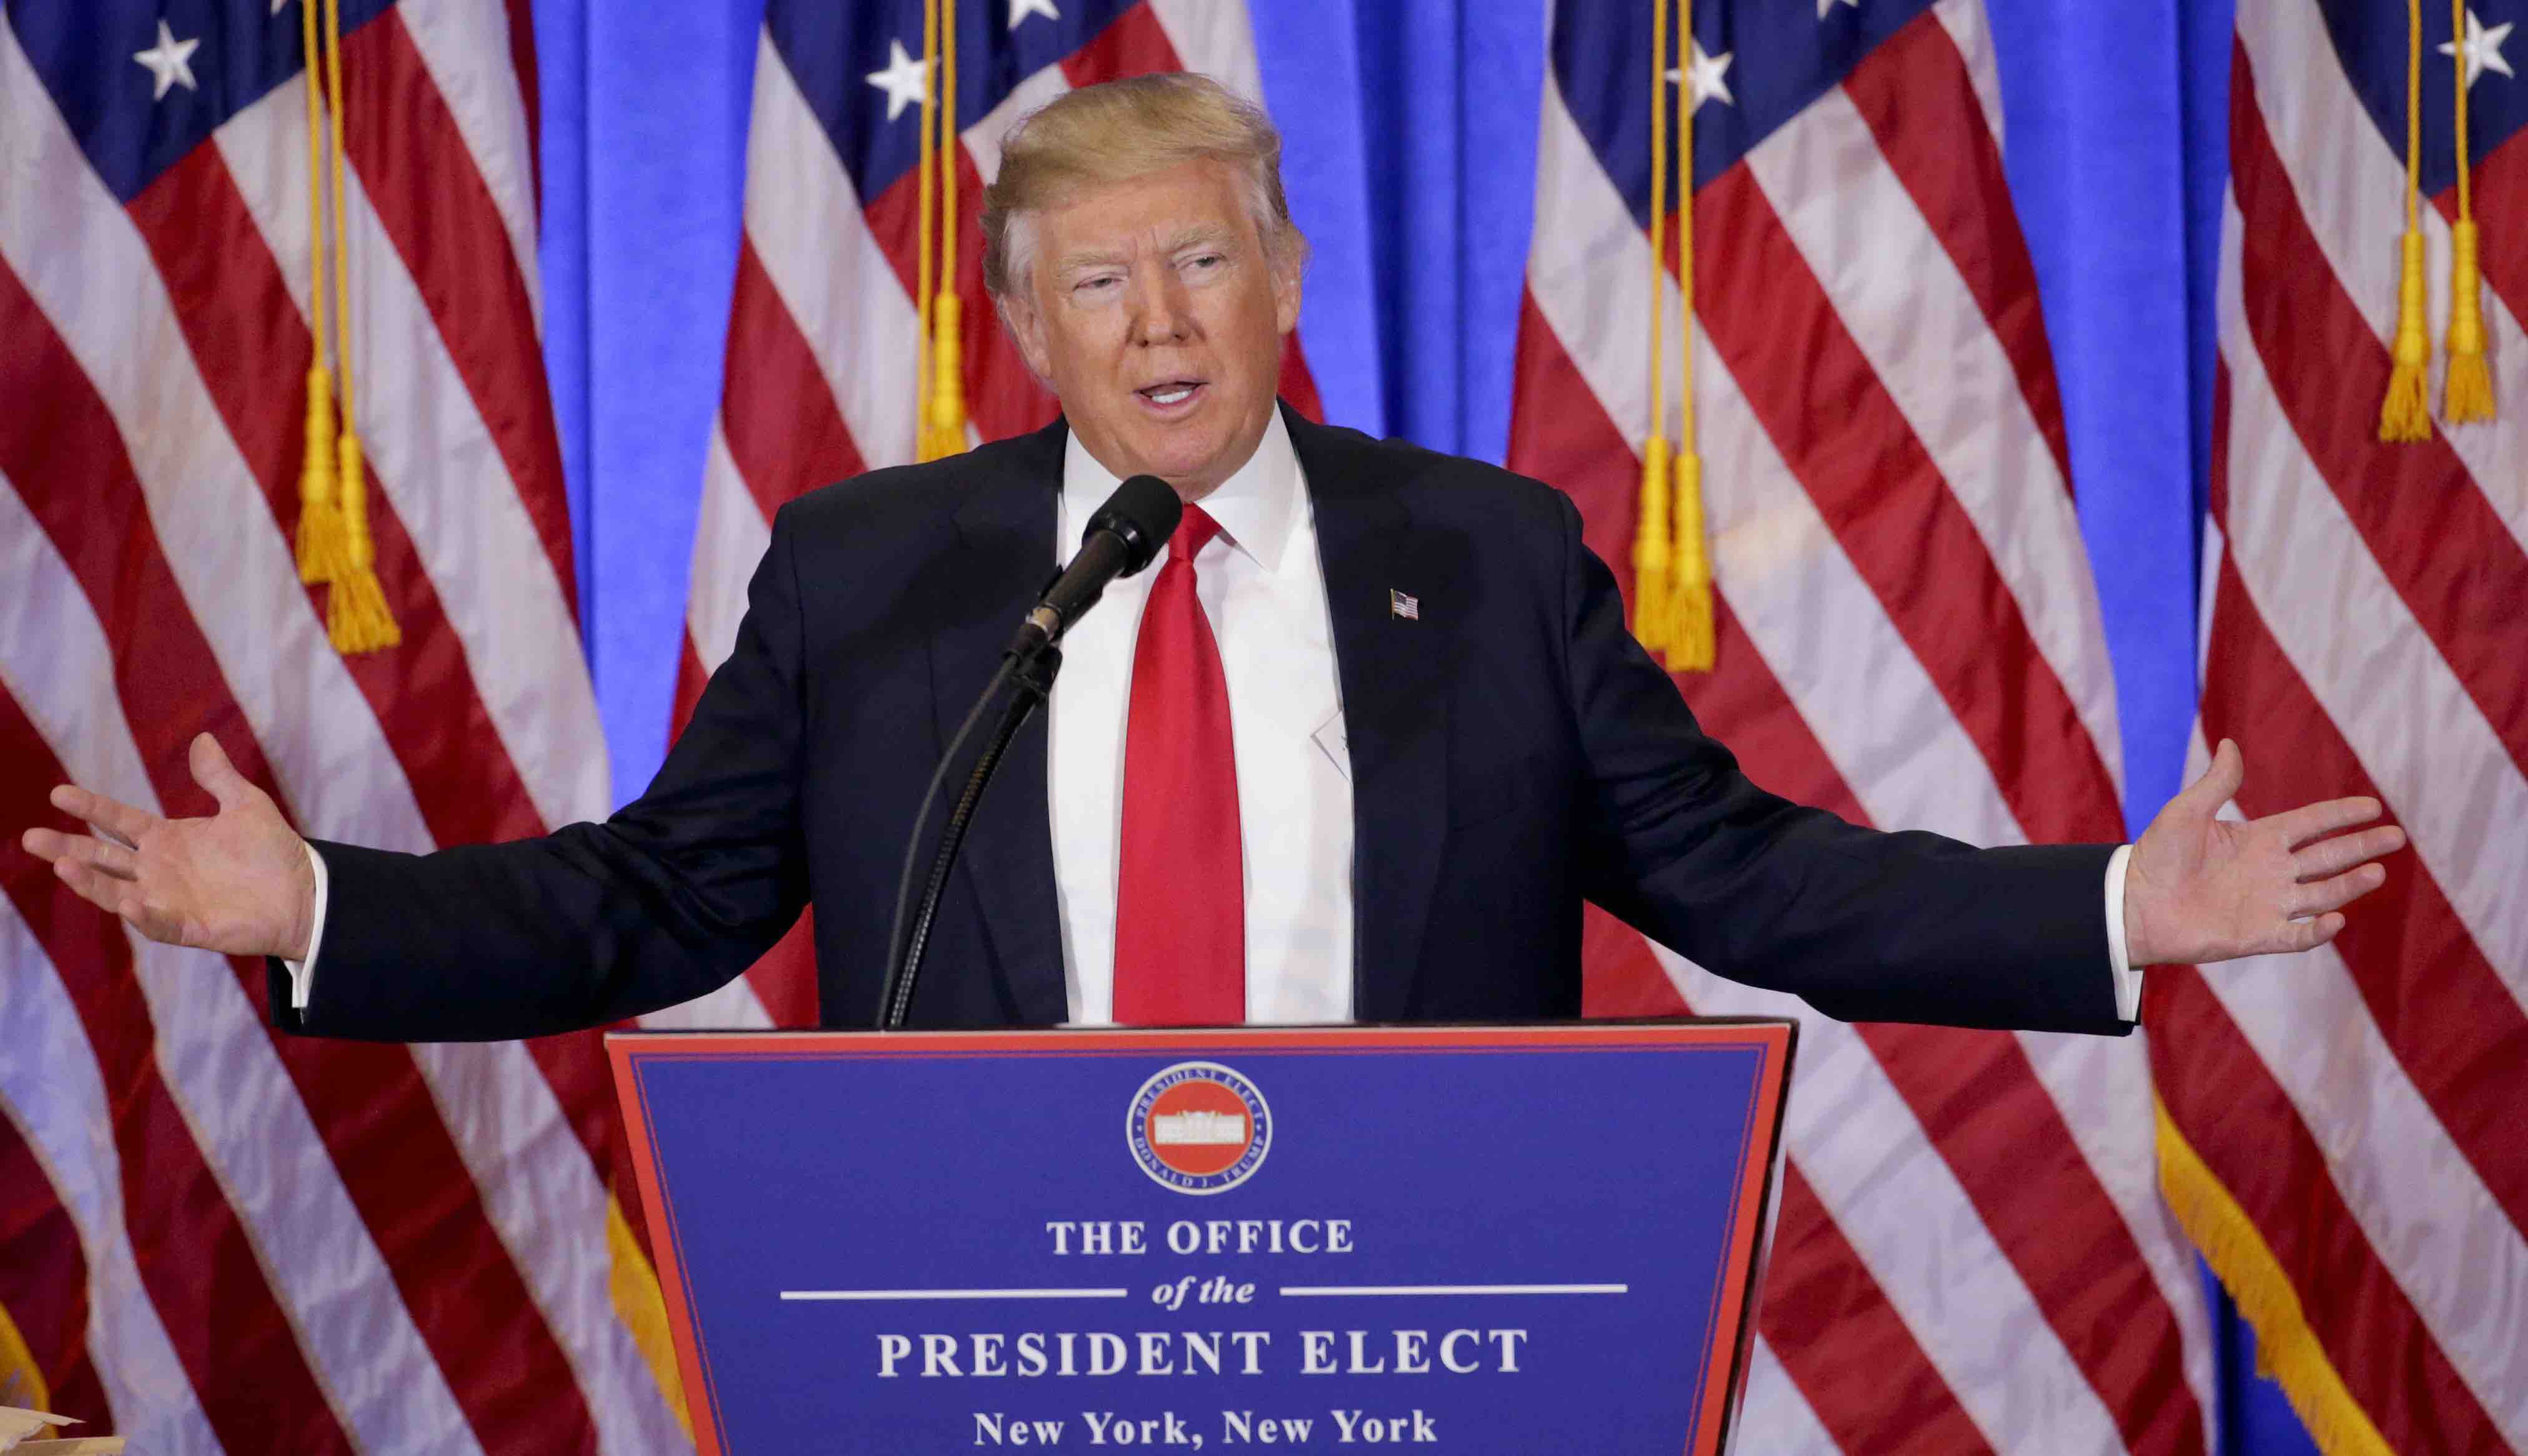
(1179, 897)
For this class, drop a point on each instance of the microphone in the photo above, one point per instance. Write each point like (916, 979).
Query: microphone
(1125, 535)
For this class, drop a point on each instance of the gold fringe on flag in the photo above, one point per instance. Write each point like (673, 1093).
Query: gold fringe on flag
(1689, 626)
(1653, 547)
(2286, 1347)
(320, 515)
(2466, 394)
(334, 548)
(2406, 413)
(940, 431)
(1672, 565)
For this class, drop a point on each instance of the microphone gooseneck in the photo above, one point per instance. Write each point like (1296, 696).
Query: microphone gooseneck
(1123, 536)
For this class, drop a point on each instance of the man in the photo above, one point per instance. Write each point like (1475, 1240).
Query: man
(1358, 748)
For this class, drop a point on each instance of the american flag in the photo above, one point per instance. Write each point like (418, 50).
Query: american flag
(822, 331)
(2353, 1118)
(1970, 1252)
(212, 1236)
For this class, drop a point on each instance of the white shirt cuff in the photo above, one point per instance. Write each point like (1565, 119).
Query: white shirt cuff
(302, 973)
(2128, 975)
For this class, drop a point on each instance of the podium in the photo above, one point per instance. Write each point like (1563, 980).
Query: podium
(1452, 1238)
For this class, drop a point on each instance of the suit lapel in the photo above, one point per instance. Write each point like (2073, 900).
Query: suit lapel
(1005, 547)
(1395, 677)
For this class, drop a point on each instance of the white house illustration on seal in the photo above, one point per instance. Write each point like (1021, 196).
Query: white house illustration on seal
(1199, 1129)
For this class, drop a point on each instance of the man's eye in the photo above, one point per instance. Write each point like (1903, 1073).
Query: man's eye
(1204, 262)
(1099, 283)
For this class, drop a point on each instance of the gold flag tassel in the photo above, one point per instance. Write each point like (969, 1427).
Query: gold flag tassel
(357, 616)
(1689, 627)
(943, 395)
(2406, 413)
(321, 548)
(2466, 394)
(1652, 545)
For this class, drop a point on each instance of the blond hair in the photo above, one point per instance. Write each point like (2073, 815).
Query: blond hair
(1118, 130)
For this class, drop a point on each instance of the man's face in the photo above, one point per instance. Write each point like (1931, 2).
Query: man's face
(1157, 313)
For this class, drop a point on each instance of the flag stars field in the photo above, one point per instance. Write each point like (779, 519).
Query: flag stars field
(2483, 48)
(170, 61)
(905, 80)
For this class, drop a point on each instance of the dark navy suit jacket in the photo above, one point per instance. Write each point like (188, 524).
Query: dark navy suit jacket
(1513, 751)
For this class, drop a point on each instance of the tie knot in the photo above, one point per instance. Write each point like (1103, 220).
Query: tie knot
(1193, 532)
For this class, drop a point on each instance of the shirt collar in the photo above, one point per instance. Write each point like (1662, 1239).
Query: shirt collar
(1254, 507)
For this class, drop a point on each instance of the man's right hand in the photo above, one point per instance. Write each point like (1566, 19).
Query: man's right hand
(238, 882)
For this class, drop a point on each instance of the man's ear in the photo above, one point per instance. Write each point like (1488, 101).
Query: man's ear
(1285, 288)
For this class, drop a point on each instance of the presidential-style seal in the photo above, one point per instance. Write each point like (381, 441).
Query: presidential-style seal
(1198, 1127)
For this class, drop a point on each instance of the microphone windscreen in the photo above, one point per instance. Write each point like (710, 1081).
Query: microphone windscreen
(1143, 511)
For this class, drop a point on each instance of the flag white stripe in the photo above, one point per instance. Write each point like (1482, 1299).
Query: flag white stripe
(982, 140)
(50, 1079)
(317, 732)
(830, 274)
(1972, 35)
(225, 1078)
(2350, 187)
(424, 433)
(2463, 1266)
(51, 1090)
(730, 535)
(1865, 241)
(1816, 623)
(1216, 37)
(2350, 637)
(1775, 1418)
(543, 1201)
(464, 45)
(1912, 1225)
(1842, 664)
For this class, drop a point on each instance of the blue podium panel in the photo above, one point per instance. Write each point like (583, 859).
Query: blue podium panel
(1453, 1239)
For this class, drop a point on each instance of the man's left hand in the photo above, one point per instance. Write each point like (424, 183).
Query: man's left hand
(2200, 888)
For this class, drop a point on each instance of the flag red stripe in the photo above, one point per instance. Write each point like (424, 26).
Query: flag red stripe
(1002, 397)
(2502, 248)
(1133, 44)
(2221, 1096)
(783, 430)
(1828, 1321)
(44, 1281)
(2439, 1004)
(522, 61)
(1882, 496)
(421, 178)
(369, 1105)
(1977, 1098)
(229, 1334)
(1845, 1346)
(2411, 502)
(1919, 99)
(252, 349)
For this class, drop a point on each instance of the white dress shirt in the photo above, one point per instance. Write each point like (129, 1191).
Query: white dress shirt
(1262, 586)
(1263, 590)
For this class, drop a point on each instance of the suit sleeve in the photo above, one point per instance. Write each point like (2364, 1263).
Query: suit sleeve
(673, 896)
(1862, 924)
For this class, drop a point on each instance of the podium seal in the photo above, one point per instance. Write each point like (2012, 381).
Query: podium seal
(1198, 1127)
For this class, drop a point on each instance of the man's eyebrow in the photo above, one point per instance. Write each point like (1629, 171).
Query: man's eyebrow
(1074, 262)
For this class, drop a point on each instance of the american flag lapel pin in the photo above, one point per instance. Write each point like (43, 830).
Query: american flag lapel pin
(1403, 606)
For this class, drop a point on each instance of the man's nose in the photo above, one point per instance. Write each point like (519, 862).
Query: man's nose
(1159, 312)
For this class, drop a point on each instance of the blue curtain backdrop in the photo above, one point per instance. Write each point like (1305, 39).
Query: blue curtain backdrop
(1410, 162)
